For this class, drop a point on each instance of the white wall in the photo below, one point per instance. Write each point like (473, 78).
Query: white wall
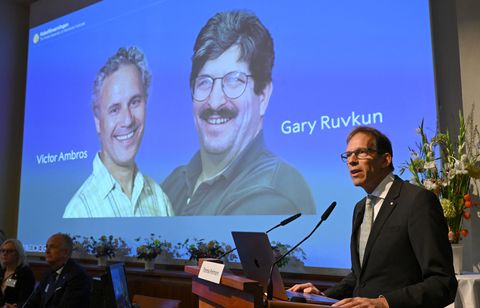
(468, 15)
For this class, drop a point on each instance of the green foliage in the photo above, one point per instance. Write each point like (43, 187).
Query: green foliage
(199, 248)
(280, 249)
(446, 167)
(107, 246)
(152, 247)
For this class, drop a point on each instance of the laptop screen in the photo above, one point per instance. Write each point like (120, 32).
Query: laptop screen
(119, 285)
(256, 256)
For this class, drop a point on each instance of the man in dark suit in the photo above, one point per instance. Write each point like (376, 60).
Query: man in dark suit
(66, 284)
(400, 253)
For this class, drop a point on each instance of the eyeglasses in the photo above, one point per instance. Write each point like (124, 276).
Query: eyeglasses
(7, 251)
(233, 85)
(360, 153)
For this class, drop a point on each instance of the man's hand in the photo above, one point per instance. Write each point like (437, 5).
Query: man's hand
(362, 302)
(305, 288)
(10, 305)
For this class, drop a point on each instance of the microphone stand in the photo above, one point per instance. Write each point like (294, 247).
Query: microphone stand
(282, 223)
(323, 218)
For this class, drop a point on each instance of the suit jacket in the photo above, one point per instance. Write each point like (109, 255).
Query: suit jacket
(70, 290)
(24, 283)
(408, 258)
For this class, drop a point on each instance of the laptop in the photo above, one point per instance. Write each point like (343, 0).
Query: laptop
(256, 257)
(119, 286)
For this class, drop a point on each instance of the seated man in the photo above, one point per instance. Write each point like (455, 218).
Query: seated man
(64, 285)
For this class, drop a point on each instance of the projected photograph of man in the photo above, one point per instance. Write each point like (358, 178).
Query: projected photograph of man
(116, 188)
(234, 173)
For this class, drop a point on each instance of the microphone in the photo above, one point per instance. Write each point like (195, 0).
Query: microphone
(324, 217)
(282, 223)
(327, 212)
(286, 221)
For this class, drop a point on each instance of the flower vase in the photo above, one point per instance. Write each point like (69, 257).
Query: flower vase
(457, 250)
(102, 261)
(149, 264)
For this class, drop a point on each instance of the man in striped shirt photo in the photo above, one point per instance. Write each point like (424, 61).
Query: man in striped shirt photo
(116, 188)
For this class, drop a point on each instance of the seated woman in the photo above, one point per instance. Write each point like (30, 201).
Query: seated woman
(17, 277)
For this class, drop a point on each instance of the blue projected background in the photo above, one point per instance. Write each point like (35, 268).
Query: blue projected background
(337, 65)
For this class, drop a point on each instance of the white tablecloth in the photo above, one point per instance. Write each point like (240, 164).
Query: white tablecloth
(468, 292)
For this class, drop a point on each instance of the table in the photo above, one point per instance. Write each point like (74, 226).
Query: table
(468, 292)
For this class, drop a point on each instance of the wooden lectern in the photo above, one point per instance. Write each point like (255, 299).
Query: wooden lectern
(234, 291)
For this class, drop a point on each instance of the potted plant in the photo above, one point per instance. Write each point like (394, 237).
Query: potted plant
(106, 247)
(80, 245)
(297, 256)
(152, 247)
(197, 249)
(447, 168)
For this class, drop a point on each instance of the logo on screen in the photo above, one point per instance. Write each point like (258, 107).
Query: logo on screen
(36, 38)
